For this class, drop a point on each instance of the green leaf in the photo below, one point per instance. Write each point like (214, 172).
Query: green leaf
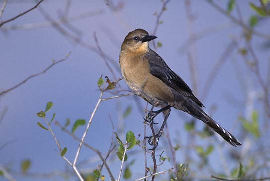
(189, 126)
(118, 139)
(48, 106)
(259, 10)
(25, 165)
(78, 122)
(96, 174)
(120, 155)
(53, 117)
(159, 44)
(254, 116)
(1, 173)
(127, 173)
(265, 2)
(199, 150)
(242, 51)
(67, 123)
(251, 126)
(127, 112)
(177, 147)
(41, 125)
(100, 81)
(253, 21)
(41, 114)
(209, 150)
(240, 171)
(64, 151)
(131, 139)
(230, 5)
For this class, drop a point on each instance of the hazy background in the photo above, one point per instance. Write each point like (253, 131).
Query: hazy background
(72, 84)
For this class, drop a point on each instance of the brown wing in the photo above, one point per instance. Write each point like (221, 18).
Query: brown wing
(161, 70)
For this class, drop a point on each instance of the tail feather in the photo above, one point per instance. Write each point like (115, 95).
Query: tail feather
(226, 135)
(197, 112)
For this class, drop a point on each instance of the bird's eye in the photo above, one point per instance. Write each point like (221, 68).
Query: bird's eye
(136, 38)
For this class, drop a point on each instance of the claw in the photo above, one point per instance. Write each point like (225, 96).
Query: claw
(150, 117)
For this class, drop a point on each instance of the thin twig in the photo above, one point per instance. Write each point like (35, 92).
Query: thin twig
(154, 174)
(191, 50)
(90, 147)
(246, 179)
(60, 150)
(28, 26)
(216, 68)
(78, 40)
(3, 7)
(172, 150)
(21, 14)
(158, 22)
(122, 162)
(237, 21)
(86, 130)
(102, 54)
(118, 96)
(6, 174)
(34, 75)
(144, 151)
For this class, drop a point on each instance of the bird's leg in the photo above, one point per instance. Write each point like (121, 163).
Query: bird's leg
(153, 140)
(152, 114)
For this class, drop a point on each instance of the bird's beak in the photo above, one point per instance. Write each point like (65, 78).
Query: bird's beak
(148, 38)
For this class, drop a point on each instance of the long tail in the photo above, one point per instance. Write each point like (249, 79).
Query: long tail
(197, 112)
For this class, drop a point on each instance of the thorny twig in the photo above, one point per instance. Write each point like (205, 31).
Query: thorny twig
(34, 75)
(21, 14)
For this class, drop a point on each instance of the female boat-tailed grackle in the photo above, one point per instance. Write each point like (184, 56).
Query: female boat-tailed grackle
(147, 74)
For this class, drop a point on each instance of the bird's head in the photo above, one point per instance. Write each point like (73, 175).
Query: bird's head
(137, 41)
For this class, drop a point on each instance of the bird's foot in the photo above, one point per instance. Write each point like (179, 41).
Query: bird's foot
(150, 117)
(153, 140)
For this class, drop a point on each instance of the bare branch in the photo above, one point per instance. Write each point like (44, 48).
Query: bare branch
(154, 174)
(237, 21)
(122, 162)
(216, 68)
(21, 14)
(231, 179)
(191, 50)
(3, 7)
(86, 130)
(90, 147)
(158, 22)
(34, 75)
(6, 174)
(28, 26)
(118, 96)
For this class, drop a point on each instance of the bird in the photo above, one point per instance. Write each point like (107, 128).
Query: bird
(149, 77)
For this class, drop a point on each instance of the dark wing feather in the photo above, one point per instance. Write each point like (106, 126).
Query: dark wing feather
(161, 70)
